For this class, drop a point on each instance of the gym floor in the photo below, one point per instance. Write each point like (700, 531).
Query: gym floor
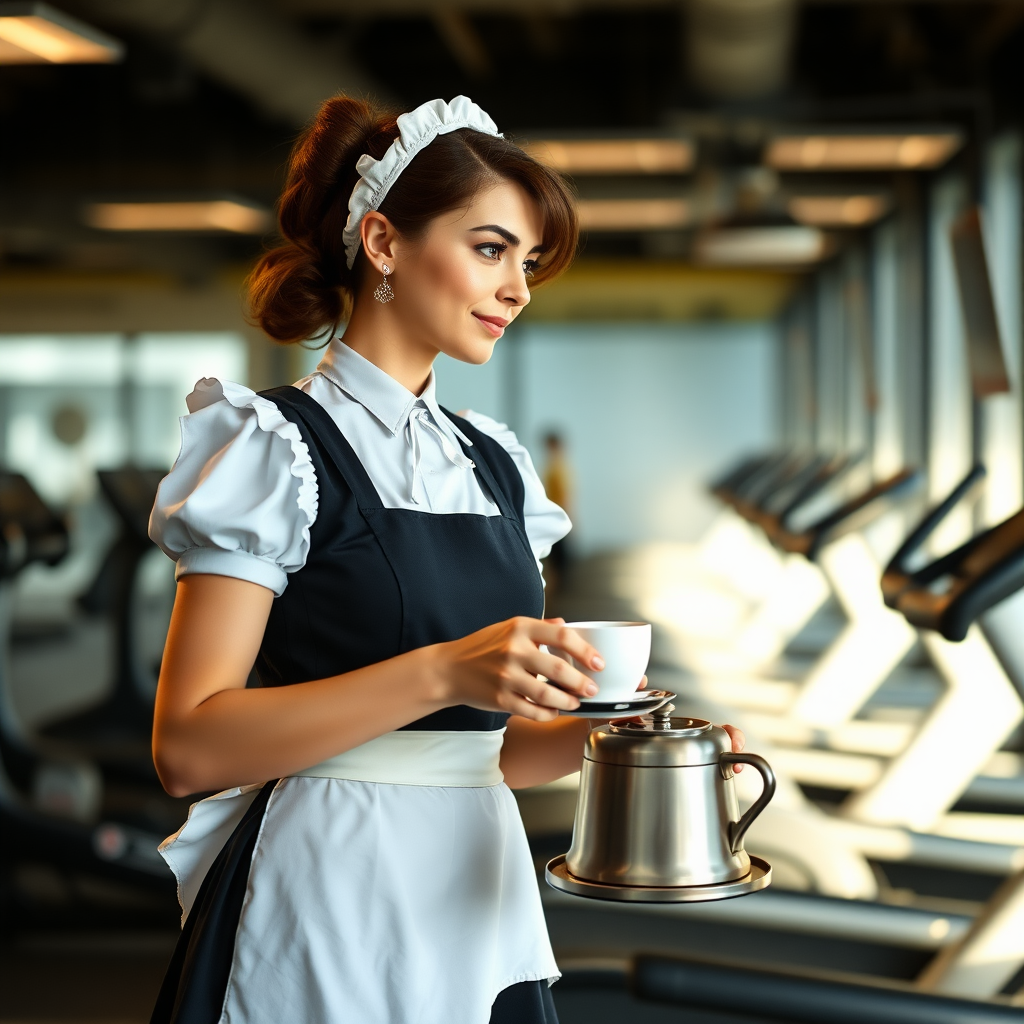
(80, 977)
(112, 978)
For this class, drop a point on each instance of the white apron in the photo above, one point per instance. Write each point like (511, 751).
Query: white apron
(390, 885)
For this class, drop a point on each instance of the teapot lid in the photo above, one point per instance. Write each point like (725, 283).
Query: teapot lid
(657, 740)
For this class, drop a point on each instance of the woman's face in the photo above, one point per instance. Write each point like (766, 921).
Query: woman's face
(467, 278)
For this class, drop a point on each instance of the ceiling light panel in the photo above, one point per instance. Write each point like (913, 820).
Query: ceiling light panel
(763, 247)
(614, 156)
(217, 215)
(882, 152)
(39, 34)
(838, 211)
(633, 214)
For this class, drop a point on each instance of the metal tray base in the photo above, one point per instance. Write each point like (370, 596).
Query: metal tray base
(557, 876)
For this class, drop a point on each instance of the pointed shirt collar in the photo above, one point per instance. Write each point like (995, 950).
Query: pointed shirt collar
(389, 402)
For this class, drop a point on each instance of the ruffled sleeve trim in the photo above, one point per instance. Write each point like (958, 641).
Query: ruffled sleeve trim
(269, 418)
(242, 495)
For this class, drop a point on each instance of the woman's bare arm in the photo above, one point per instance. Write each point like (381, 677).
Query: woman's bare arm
(535, 753)
(210, 732)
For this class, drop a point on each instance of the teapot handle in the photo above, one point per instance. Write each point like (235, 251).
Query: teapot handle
(738, 829)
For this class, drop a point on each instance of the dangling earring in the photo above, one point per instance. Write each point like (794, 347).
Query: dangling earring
(383, 292)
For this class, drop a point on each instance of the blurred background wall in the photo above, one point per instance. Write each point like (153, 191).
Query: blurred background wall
(665, 404)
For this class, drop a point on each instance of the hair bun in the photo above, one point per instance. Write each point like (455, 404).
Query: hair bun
(296, 290)
(289, 296)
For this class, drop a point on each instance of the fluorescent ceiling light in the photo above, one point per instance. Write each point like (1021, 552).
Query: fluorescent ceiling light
(633, 214)
(217, 215)
(39, 34)
(838, 211)
(763, 247)
(614, 156)
(880, 152)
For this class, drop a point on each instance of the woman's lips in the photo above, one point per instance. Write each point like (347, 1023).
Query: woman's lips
(495, 324)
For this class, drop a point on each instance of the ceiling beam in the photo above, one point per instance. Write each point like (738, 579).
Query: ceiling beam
(247, 46)
(463, 41)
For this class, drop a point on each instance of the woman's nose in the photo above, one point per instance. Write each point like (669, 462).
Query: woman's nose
(516, 292)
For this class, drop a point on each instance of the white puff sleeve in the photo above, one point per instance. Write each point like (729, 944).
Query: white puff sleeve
(545, 521)
(242, 494)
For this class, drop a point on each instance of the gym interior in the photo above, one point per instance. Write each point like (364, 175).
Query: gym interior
(779, 393)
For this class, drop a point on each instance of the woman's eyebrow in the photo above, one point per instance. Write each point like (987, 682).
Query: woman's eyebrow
(506, 234)
(499, 230)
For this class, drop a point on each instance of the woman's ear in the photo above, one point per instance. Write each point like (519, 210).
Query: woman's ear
(379, 240)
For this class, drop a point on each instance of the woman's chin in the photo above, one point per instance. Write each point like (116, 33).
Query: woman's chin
(476, 352)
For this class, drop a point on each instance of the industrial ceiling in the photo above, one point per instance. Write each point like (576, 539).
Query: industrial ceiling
(210, 93)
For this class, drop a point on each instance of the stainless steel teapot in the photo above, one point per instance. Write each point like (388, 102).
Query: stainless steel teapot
(657, 805)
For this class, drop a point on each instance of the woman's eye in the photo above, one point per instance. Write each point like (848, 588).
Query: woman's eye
(492, 250)
(529, 267)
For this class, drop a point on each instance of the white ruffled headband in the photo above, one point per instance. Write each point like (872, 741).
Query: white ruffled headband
(416, 130)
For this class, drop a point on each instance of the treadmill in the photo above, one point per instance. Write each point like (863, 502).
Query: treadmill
(55, 808)
(979, 977)
(975, 976)
(117, 732)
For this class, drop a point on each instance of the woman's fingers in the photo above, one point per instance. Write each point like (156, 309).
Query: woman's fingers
(551, 634)
(559, 672)
(527, 709)
(739, 741)
(520, 703)
(643, 684)
(544, 693)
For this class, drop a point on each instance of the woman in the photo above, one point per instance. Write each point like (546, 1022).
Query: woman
(376, 559)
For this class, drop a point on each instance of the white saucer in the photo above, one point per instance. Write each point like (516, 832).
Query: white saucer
(642, 702)
(558, 877)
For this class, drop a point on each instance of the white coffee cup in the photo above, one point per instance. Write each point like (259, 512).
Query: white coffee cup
(626, 649)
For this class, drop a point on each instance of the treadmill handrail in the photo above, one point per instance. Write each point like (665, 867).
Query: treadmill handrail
(29, 530)
(737, 472)
(831, 472)
(765, 479)
(123, 489)
(802, 996)
(849, 516)
(985, 570)
(729, 487)
(897, 574)
(804, 480)
(751, 502)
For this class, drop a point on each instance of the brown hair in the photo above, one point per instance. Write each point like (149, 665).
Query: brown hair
(303, 288)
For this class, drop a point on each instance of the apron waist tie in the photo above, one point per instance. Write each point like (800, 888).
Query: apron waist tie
(413, 757)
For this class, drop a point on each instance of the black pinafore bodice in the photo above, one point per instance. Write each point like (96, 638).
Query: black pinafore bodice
(378, 581)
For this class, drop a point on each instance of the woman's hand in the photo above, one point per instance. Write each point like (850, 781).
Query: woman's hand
(739, 741)
(498, 669)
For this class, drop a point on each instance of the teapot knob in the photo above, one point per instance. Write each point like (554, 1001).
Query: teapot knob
(663, 716)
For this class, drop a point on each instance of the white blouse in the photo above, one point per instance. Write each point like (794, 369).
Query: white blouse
(242, 494)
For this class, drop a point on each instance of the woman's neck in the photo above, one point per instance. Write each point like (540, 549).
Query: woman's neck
(375, 333)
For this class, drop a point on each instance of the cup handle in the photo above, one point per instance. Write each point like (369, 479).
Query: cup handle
(738, 829)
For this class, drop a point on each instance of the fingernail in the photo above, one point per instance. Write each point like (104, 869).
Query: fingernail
(590, 690)
(597, 662)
